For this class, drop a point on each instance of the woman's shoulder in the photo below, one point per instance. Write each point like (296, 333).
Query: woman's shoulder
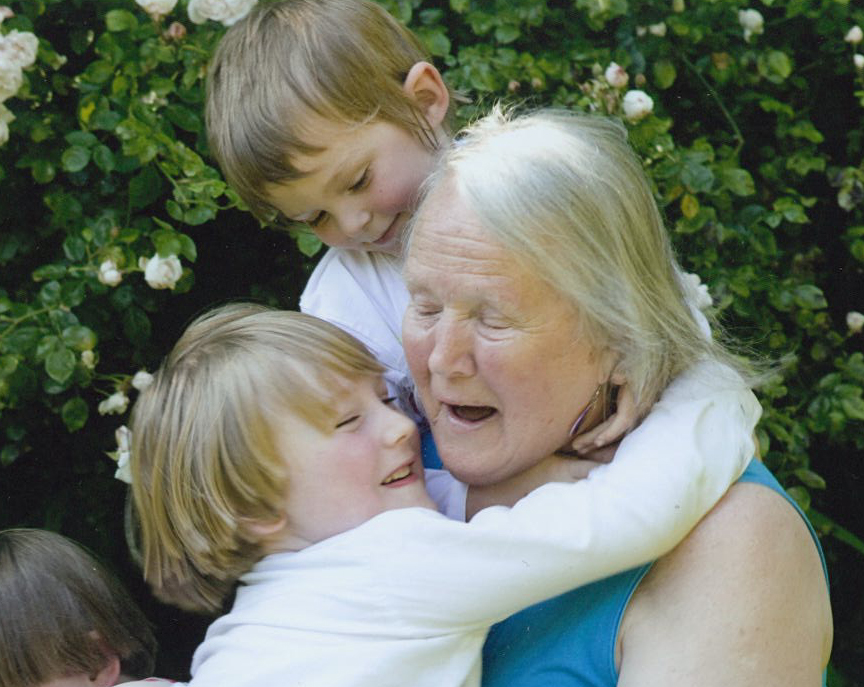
(745, 592)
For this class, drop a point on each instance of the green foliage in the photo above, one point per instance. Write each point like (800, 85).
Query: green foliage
(755, 148)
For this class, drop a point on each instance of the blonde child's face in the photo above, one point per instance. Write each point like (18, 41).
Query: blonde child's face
(360, 191)
(362, 463)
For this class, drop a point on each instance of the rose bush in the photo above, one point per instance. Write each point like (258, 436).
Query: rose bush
(117, 228)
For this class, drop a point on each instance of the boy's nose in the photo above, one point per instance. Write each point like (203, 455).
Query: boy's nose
(353, 223)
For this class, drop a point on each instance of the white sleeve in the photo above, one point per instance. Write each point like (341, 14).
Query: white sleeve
(448, 493)
(665, 476)
(364, 294)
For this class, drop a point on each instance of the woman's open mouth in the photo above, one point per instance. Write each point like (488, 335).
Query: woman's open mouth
(472, 413)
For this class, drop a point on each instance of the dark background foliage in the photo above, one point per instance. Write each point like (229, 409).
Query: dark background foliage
(755, 148)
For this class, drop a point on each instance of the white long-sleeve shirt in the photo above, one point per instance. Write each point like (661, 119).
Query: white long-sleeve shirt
(407, 597)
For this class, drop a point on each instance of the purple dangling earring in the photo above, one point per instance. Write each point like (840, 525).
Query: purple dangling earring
(591, 404)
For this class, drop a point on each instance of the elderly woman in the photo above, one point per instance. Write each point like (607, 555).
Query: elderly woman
(540, 271)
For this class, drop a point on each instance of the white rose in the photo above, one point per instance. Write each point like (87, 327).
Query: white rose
(142, 380)
(88, 359)
(162, 273)
(855, 321)
(658, 29)
(616, 75)
(109, 274)
(6, 118)
(637, 105)
(858, 60)
(697, 292)
(752, 22)
(122, 454)
(115, 404)
(157, 8)
(227, 12)
(20, 47)
(855, 35)
(11, 78)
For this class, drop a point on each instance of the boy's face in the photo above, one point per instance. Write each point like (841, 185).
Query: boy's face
(362, 463)
(361, 190)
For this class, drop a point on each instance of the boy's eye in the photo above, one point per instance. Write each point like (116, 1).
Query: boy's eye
(317, 219)
(347, 421)
(361, 183)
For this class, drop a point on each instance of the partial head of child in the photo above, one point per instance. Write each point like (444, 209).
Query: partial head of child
(327, 113)
(262, 431)
(66, 622)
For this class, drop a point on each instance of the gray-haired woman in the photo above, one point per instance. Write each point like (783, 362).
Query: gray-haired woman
(540, 271)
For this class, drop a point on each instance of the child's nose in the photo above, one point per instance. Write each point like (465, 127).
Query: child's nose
(353, 222)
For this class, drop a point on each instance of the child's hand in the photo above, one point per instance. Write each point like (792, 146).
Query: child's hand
(613, 428)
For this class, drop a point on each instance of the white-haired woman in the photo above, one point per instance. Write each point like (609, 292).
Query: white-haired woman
(540, 272)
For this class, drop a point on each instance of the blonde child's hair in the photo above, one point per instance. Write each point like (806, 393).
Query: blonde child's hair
(63, 614)
(342, 60)
(568, 196)
(205, 463)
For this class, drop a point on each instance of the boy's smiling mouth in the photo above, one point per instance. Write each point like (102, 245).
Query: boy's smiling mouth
(398, 475)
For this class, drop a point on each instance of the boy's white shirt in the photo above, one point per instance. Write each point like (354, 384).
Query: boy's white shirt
(407, 597)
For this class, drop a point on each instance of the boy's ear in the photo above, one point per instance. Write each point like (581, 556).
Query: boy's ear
(109, 675)
(425, 86)
(261, 530)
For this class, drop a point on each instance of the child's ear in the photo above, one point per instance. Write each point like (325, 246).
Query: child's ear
(109, 675)
(262, 530)
(425, 86)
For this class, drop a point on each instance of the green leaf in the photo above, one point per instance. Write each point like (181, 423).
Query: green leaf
(308, 243)
(8, 454)
(49, 272)
(75, 159)
(43, 171)
(187, 248)
(84, 139)
(60, 364)
(506, 34)
(775, 66)
(801, 497)
(80, 338)
(144, 188)
(664, 74)
(74, 414)
(198, 215)
(738, 181)
(136, 325)
(810, 478)
(103, 158)
(98, 72)
(50, 293)
(810, 297)
(120, 20)
(184, 118)
(75, 248)
(853, 407)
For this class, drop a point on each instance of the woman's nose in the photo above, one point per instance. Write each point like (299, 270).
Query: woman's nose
(451, 354)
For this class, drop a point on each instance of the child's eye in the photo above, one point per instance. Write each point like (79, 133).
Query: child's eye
(361, 183)
(317, 220)
(347, 421)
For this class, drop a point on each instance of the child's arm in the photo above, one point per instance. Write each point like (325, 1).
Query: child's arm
(666, 475)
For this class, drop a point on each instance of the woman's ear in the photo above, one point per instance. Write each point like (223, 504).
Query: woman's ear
(425, 86)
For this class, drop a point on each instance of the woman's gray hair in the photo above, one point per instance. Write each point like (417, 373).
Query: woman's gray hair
(568, 196)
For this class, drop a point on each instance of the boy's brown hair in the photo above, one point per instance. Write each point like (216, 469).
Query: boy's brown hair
(63, 614)
(290, 61)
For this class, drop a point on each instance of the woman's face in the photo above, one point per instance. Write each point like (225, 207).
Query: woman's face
(495, 352)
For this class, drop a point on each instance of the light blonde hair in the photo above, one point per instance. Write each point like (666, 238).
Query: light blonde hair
(205, 463)
(567, 195)
(63, 614)
(342, 60)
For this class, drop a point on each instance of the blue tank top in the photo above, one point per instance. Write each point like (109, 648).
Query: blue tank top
(569, 641)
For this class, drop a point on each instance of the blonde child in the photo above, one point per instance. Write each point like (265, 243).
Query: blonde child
(267, 457)
(64, 620)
